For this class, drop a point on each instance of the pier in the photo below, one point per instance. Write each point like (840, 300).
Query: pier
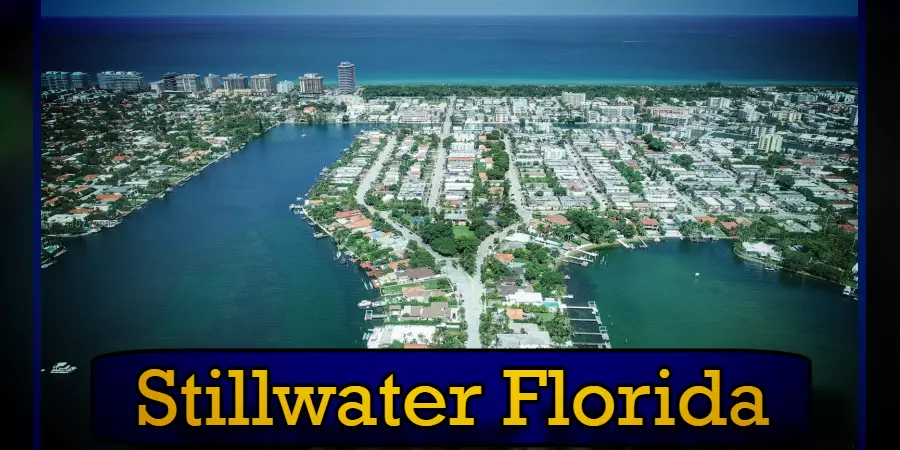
(370, 315)
(625, 244)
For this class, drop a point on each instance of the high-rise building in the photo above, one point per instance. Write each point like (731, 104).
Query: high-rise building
(235, 81)
(805, 97)
(757, 130)
(770, 142)
(156, 87)
(312, 83)
(346, 77)
(285, 86)
(121, 81)
(56, 81)
(189, 82)
(170, 82)
(81, 80)
(212, 82)
(573, 98)
(264, 82)
(719, 102)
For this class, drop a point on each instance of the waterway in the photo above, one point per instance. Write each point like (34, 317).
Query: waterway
(220, 262)
(650, 298)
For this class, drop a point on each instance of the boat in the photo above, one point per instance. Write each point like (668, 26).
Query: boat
(338, 254)
(62, 367)
(303, 135)
(771, 267)
(47, 263)
(379, 304)
(696, 274)
(364, 304)
(848, 290)
(343, 260)
(584, 263)
(320, 235)
(567, 277)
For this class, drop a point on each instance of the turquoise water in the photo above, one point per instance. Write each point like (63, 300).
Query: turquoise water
(468, 50)
(650, 298)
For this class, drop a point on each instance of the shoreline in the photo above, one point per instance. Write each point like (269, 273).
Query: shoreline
(798, 272)
(119, 220)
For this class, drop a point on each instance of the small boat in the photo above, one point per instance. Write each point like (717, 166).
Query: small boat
(379, 304)
(584, 263)
(343, 260)
(364, 304)
(62, 367)
(338, 254)
(771, 267)
(567, 277)
(320, 235)
(848, 290)
(303, 135)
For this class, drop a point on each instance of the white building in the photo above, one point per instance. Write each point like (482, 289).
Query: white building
(525, 298)
(770, 143)
(573, 98)
(284, 87)
(757, 130)
(188, 82)
(719, 102)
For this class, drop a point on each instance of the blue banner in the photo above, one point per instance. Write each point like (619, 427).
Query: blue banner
(450, 397)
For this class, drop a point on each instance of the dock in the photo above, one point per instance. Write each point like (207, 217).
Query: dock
(581, 338)
(370, 315)
(625, 244)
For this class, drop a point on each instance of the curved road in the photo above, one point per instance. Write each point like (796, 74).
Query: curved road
(470, 288)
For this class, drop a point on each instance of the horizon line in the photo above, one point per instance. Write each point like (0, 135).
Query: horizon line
(274, 15)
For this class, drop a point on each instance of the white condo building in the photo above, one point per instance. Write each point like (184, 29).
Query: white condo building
(719, 102)
(212, 82)
(770, 143)
(312, 83)
(285, 86)
(573, 98)
(346, 77)
(264, 82)
(189, 82)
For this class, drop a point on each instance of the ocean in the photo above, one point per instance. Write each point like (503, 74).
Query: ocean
(467, 50)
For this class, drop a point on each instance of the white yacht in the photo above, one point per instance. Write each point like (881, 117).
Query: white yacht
(62, 367)
(364, 304)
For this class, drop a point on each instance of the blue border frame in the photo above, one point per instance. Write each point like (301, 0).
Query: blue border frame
(861, 213)
(36, 263)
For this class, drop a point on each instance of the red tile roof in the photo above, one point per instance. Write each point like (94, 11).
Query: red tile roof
(558, 220)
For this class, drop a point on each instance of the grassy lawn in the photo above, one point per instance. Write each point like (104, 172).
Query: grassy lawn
(433, 284)
(460, 231)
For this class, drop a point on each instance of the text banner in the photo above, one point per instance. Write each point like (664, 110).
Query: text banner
(450, 397)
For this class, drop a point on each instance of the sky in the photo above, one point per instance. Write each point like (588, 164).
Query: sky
(118, 8)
